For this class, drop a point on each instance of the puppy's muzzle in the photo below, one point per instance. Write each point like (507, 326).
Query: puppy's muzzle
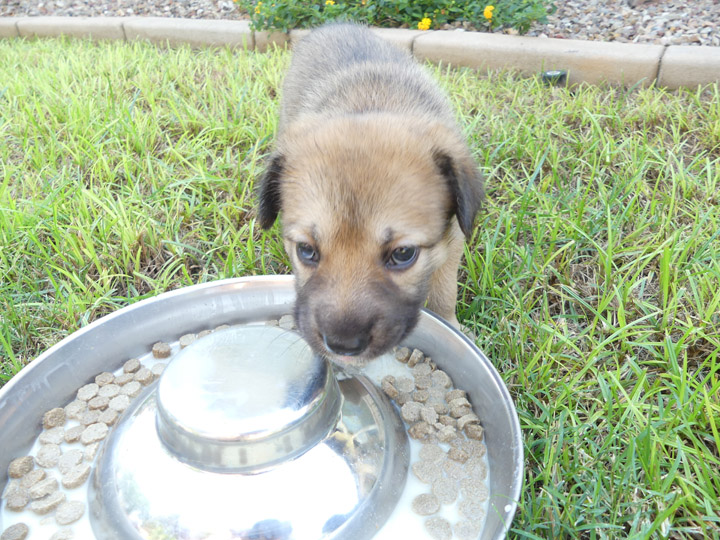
(346, 344)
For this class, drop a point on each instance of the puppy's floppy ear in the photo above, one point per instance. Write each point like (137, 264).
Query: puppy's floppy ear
(269, 196)
(464, 180)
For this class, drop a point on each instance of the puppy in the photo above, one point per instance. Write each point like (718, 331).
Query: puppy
(375, 187)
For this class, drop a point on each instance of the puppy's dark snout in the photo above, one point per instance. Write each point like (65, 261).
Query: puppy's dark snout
(347, 339)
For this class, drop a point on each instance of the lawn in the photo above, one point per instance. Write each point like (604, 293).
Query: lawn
(592, 280)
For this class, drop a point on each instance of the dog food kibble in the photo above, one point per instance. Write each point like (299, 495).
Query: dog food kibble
(161, 350)
(32, 478)
(87, 392)
(119, 403)
(416, 357)
(425, 504)
(70, 459)
(204, 333)
(43, 488)
(19, 531)
(474, 489)
(410, 411)
(438, 528)
(131, 389)
(474, 431)
(427, 471)
(441, 379)
(98, 403)
(431, 452)
(90, 417)
(48, 504)
(468, 529)
(421, 369)
(104, 378)
(48, 456)
(69, 512)
(429, 415)
(65, 534)
(445, 489)
(91, 451)
(109, 391)
(109, 417)
(422, 431)
(472, 509)
(54, 435)
(93, 433)
(76, 476)
(453, 469)
(54, 418)
(21, 466)
(123, 379)
(75, 409)
(446, 434)
(287, 322)
(186, 340)
(421, 396)
(144, 376)
(402, 354)
(404, 384)
(458, 454)
(17, 499)
(158, 369)
(131, 366)
(470, 418)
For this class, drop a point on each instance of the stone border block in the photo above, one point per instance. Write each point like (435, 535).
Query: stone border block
(8, 27)
(590, 61)
(79, 27)
(194, 32)
(297, 35)
(402, 39)
(689, 67)
(266, 40)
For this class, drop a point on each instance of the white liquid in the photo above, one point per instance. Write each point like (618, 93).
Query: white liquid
(402, 523)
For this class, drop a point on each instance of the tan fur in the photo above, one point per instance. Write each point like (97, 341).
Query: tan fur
(383, 167)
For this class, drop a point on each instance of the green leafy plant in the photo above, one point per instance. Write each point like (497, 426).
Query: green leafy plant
(423, 14)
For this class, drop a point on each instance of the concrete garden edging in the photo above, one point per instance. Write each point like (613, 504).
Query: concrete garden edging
(594, 62)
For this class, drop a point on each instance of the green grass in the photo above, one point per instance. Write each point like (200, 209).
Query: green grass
(592, 280)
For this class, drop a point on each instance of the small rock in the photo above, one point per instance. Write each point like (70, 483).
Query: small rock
(19, 531)
(161, 350)
(69, 512)
(94, 433)
(425, 504)
(438, 528)
(48, 504)
(48, 456)
(21, 466)
(87, 392)
(131, 366)
(43, 488)
(54, 418)
(104, 379)
(76, 476)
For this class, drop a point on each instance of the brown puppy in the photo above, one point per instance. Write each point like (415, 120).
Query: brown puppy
(376, 187)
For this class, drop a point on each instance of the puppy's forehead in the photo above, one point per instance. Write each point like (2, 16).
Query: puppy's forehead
(380, 184)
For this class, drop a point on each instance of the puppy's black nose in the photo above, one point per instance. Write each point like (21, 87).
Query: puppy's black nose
(346, 345)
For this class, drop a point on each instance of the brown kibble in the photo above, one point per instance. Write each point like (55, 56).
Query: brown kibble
(119, 403)
(93, 433)
(208, 332)
(441, 379)
(158, 369)
(468, 529)
(43, 488)
(90, 417)
(440, 408)
(69, 512)
(98, 403)
(388, 386)
(64, 534)
(87, 392)
(109, 391)
(186, 340)
(421, 369)
(460, 410)
(428, 415)
(76, 476)
(54, 435)
(286, 322)
(453, 469)
(144, 376)
(73, 434)
(125, 378)
(423, 382)
(415, 358)
(410, 411)
(445, 489)
(91, 451)
(131, 366)
(21, 466)
(109, 417)
(54, 418)
(427, 471)
(425, 504)
(474, 489)
(161, 350)
(48, 456)
(104, 379)
(131, 389)
(467, 419)
(403, 398)
(472, 509)
(48, 504)
(447, 420)
(446, 433)
(70, 459)
(422, 431)
(402, 354)
(474, 431)
(431, 452)
(75, 409)
(19, 531)
(458, 454)
(17, 499)
(421, 396)
(455, 394)
(438, 528)
(32, 478)
(404, 384)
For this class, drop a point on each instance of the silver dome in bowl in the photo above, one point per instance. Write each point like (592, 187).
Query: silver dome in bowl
(248, 434)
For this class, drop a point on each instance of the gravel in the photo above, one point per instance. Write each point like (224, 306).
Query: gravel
(664, 22)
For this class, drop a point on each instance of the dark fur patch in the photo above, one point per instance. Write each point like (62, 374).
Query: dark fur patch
(269, 197)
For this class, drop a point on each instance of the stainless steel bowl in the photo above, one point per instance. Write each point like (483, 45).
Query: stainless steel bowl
(53, 378)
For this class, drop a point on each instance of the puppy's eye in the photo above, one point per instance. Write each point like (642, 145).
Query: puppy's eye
(402, 257)
(307, 254)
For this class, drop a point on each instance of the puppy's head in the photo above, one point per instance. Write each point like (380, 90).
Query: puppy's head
(368, 203)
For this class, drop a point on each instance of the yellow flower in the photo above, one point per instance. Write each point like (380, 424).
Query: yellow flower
(425, 24)
(257, 8)
(488, 12)
(329, 3)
